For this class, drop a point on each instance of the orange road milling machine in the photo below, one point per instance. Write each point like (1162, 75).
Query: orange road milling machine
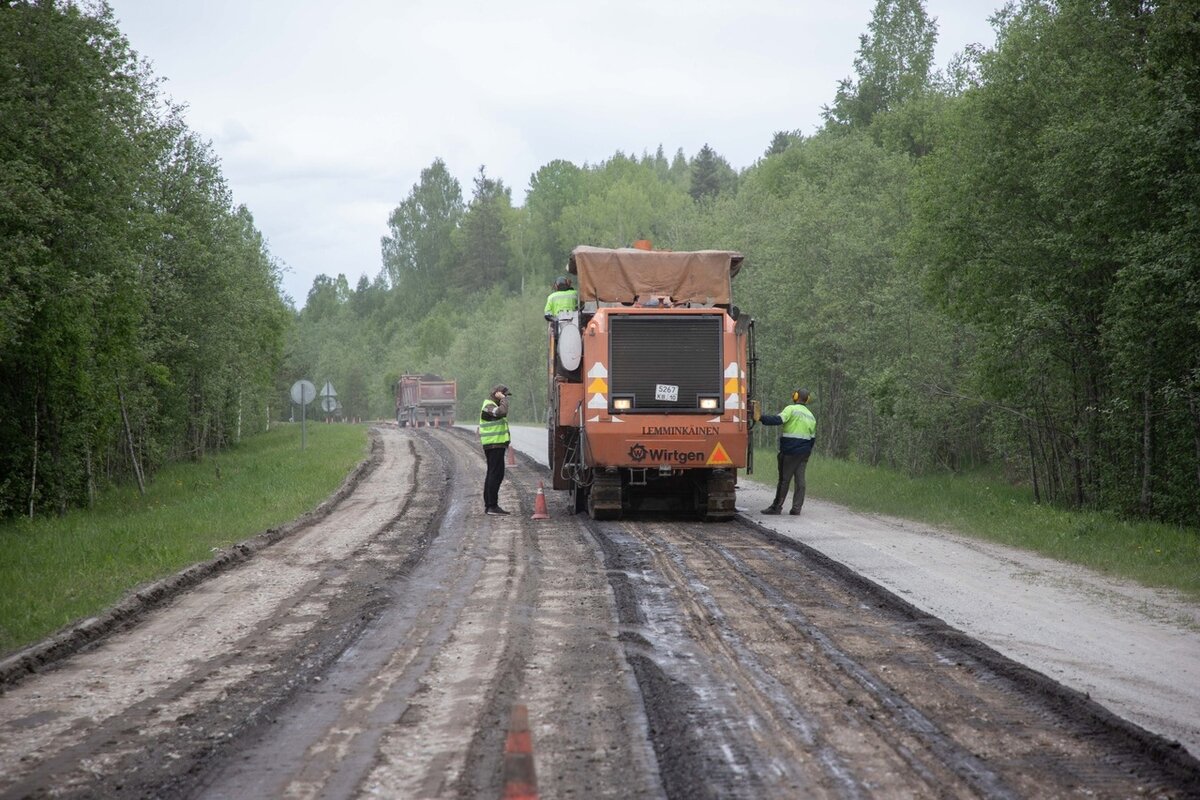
(650, 383)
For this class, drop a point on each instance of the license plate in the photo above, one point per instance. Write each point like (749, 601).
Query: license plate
(663, 391)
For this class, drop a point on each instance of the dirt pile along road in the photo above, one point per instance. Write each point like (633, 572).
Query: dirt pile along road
(381, 651)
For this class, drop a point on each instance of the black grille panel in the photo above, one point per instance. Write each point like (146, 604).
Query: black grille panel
(683, 351)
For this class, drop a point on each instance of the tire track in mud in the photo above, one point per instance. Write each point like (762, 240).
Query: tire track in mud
(1076, 740)
(157, 721)
(564, 661)
(922, 733)
(716, 716)
(484, 761)
(411, 709)
(768, 672)
(325, 740)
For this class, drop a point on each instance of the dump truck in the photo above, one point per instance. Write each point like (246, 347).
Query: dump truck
(650, 383)
(425, 400)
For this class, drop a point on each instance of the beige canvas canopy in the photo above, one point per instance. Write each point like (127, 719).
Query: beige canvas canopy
(622, 275)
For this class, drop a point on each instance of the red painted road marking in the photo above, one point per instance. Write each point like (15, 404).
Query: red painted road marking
(520, 781)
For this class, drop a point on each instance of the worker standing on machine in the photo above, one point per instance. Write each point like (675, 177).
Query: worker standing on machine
(562, 312)
(795, 446)
(563, 298)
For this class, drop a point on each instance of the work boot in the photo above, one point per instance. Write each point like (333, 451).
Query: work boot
(795, 512)
(497, 511)
(772, 510)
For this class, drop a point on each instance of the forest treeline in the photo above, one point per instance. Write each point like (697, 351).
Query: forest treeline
(140, 313)
(995, 263)
(991, 264)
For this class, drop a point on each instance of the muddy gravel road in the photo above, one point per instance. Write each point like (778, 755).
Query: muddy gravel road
(388, 648)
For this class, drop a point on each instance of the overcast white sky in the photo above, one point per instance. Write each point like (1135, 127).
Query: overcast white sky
(324, 114)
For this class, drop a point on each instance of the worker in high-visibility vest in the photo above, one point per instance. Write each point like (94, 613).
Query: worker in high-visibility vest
(563, 298)
(494, 436)
(796, 442)
(562, 309)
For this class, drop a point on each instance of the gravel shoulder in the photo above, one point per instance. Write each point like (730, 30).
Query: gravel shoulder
(1133, 649)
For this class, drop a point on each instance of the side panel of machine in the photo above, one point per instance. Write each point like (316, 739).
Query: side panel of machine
(566, 408)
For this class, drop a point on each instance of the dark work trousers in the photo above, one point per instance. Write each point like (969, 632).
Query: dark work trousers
(495, 474)
(791, 468)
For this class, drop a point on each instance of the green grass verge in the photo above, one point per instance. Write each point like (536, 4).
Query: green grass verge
(984, 506)
(56, 570)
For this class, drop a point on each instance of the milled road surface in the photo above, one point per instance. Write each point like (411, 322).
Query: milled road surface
(380, 651)
(1134, 649)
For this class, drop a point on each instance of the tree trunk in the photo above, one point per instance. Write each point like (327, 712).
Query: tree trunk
(33, 474)
(533, 402)
(833, 406)
(873, 446)
(1077, 472)
(1033, 473)
(1195, 435)
(91, 477)
(137, 468)
(1147, 454)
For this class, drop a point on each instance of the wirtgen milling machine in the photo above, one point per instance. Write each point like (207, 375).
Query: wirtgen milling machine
(650, 383)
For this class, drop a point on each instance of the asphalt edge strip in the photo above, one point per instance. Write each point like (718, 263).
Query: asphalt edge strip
(79, 635)
(1170, 753)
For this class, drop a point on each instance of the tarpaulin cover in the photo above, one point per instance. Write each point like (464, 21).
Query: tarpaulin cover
(622, 275)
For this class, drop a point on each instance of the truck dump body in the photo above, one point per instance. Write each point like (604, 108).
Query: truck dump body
(657, 410)
(425, 400)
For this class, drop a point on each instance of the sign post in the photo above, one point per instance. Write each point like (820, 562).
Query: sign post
(303, 393)
(329, 403)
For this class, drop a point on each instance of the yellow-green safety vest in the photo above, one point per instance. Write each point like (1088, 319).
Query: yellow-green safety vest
(798, 422)
(492, 431)
(566, 300)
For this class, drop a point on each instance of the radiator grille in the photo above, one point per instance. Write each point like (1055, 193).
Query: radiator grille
(683, 351)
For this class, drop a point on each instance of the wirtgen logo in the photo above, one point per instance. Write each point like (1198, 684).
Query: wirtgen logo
(639, 453)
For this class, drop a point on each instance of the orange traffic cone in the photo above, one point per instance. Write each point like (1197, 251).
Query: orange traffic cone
(539, 504)
(520, 778)
(512, 456)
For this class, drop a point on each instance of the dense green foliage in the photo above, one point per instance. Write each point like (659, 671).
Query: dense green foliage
(1059, 219)
(59, 569)
(995, 264)
(140, 317)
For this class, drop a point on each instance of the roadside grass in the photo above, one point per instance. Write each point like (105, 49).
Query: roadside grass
(982, 505)
(56, 570)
